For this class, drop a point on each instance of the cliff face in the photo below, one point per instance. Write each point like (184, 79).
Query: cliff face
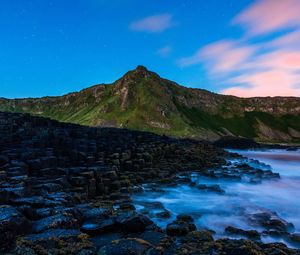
(142, 100)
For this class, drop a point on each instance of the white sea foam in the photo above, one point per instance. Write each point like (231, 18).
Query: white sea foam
(216, 211)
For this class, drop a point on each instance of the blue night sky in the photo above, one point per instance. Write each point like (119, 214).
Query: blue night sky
(60, 46)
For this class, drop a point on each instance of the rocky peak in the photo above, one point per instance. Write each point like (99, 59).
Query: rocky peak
(141, 68)
(140, 72)
(134, 77)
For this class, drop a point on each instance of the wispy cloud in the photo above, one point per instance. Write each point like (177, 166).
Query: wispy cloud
(269, 67)
(153, 24)
(268, 83)
(220, 56)
(266, 16)
(164, 51)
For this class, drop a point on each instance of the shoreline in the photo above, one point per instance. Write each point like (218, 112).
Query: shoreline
(68, 188)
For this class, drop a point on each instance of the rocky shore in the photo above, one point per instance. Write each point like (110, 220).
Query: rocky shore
(67, 189)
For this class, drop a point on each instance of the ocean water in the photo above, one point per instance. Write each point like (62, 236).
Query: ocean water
(217, 211)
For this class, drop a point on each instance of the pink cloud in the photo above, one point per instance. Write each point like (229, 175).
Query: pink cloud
(269, 83)
(280, 59)
(291, 39)
(269, 67)
(220, 56)
(153, 24)
(164, 51)
(266, 16)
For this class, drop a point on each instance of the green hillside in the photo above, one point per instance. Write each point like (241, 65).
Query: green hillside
(142, 100)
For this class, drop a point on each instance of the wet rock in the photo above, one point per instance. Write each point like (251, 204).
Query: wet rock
(127, 206)
(165, 214)
(11, 193)
(50, 167)
(153, 237)
(65, 220)
(133, 222)
(276, 234)
(199, 236)
(96, 213)
(295, 238)
(270, 221)
(53, 233)
(49, 187)
(251, 234)
(132, 246)
(34, 202)
(57, 241)
(181, 226)
(211, 188)
(184, 217)
(3, 160)
(152, 205)
(104, 239)
(101, 227)
(12, 223)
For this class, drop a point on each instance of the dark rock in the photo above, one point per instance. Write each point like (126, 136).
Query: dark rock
(104, 239)
(3, 160)
(132, 222)
(182, 226)
(53, 233)
(199, 236)
(102, 226)
(236, 143)
(132, 246)
(295, 238)
(165, 214)
(65, 220)
(270, 221)
(127, 206)
(185, 218)
(210, 188)
(12, 223)
(96, 213)
(251, 234)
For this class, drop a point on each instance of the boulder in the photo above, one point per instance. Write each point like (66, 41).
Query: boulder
(199, 236)
(132, 246)
(100, 227)
(181, 226)
(12, 223)
(132, 222)
(251, 234)
(65, 220)
(270, 221)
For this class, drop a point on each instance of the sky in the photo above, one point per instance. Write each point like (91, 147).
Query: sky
(238, 47)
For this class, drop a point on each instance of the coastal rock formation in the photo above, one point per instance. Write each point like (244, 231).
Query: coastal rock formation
(66, 189)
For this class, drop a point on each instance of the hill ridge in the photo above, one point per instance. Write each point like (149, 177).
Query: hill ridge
(142, 100)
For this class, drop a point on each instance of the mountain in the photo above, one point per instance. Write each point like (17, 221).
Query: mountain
(142, 100)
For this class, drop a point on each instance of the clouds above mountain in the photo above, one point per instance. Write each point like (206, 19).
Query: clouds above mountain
(265, 61)
(153, 24)
(266, 16)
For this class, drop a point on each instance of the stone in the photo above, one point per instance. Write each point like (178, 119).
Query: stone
(132, 222)
(181, 226)
(270, 221)
(12, 223)
(184, 217)
(251, 234)
(132, 246)
(96, 213)
(56, 221)
(199, 236)
(295, 237)
(100, 227)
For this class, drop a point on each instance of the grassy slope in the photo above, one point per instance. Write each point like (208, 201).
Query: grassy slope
(153, 100)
